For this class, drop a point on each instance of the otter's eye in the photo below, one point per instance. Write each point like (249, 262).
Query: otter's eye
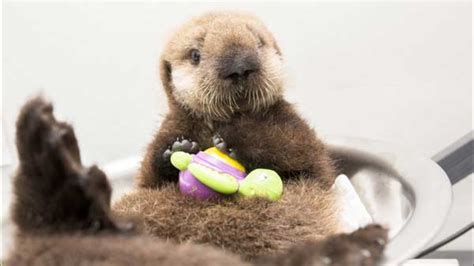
(195, 56)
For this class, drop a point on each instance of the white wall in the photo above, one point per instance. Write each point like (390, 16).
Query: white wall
(392, 71)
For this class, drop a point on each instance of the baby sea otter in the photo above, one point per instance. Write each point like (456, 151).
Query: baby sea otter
(222, 73)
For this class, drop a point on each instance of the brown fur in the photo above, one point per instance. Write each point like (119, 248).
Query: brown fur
(107, 250)
(50, 171)
(364, 247)
(249, 227)
(221, 35)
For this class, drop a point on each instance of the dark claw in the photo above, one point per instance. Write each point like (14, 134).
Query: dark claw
(181, 144)
(232, 154)
(167, 154)
(220, 144)
(194, 147)
(222, 147)
(216, 139)
(186, 145)
(176, 146)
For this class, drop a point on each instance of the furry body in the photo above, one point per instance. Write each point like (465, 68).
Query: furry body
(254, 122)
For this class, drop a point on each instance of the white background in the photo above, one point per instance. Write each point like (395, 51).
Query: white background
(398, 72)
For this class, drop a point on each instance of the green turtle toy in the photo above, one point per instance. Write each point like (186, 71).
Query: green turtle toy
(211, 173)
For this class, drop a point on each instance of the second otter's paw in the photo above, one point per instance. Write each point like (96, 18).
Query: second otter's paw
(362, 247)
(181, 144)
(54, 191)
(220, 144)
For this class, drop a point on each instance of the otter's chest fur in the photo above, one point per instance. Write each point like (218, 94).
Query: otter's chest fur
(206, 132)
(206, 129)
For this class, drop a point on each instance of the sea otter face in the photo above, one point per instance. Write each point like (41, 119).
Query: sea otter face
(221, 63)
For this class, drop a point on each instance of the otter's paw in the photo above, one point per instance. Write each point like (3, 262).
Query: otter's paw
(362, 247)
(220, 144)
(44, 141)
(54, 190)
(181, 144)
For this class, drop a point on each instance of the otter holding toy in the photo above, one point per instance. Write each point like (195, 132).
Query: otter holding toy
(212, 173)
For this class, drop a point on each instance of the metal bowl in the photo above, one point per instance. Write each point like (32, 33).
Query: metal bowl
(408, 193)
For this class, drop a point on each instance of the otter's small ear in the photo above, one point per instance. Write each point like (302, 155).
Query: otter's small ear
(275, 45)
(166, 70)
(167, 79)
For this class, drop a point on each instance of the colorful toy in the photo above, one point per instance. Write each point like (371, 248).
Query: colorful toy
(212, 173)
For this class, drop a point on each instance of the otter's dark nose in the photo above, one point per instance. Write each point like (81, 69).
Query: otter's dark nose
(238, 65)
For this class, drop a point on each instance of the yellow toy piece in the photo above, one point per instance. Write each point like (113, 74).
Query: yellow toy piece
(216, 153)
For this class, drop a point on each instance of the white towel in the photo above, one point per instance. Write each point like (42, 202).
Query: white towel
(352, 212)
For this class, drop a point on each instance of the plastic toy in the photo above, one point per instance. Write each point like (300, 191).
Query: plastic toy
(211, 173)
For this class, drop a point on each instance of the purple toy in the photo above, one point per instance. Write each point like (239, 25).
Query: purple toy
(215, 160)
